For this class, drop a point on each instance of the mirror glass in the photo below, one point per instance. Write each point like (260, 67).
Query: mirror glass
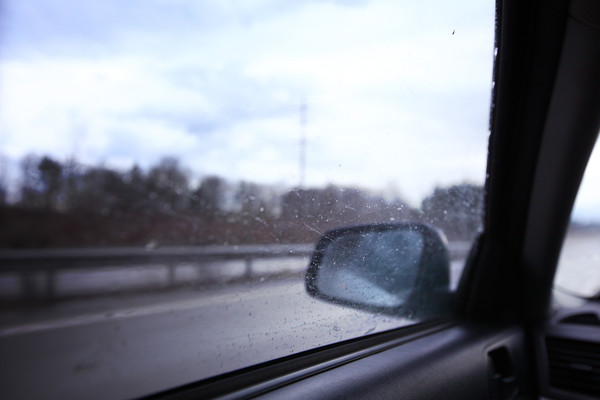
(376, 268)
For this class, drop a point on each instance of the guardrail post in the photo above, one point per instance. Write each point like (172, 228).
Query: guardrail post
(50, 284)
(248, 263)
(27, 285)
(171, 274)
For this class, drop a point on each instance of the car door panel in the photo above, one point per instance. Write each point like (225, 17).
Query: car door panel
(455, 363)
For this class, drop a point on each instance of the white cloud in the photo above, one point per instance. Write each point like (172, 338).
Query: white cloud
(397, 93)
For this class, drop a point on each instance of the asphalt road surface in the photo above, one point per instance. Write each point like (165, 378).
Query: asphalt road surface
(138, 350)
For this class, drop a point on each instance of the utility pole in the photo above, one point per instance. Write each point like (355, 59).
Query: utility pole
(303, 120)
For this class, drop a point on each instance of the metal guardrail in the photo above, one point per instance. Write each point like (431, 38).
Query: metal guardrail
(50, 261)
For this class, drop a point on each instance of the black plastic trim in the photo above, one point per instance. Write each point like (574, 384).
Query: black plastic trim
(450, 364)
(261, 378)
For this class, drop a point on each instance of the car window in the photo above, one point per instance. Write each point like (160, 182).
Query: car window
(167, 168)
(578, 270)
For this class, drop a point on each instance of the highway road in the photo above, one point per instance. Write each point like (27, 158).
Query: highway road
(579, 265)
(134, 350)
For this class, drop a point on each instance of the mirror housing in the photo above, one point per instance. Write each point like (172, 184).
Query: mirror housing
(400, 269)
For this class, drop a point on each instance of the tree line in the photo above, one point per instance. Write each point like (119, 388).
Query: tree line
(62, 204)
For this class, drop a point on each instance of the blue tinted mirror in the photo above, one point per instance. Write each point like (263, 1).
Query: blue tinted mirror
(399, 269)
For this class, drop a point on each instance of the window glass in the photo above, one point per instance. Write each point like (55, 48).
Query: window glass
(166, 168)
(578, 270)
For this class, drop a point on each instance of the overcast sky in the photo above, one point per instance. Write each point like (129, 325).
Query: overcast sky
(397, 94)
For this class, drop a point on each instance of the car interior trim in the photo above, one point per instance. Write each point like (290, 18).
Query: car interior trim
(570, 133)
(264, 377)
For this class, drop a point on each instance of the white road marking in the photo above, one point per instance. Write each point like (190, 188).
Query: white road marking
(205, 301)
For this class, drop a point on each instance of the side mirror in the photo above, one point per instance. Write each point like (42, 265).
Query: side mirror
(397, 269)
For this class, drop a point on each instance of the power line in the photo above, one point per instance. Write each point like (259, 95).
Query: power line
(303, 122)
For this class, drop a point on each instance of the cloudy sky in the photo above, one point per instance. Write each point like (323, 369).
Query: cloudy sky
(397, 94)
